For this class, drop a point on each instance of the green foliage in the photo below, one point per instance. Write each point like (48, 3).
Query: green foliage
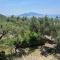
(28, 30)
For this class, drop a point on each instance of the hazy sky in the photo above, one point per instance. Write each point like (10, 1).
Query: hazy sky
(17, 7)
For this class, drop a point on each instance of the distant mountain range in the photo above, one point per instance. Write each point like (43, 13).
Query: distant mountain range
(38, 15)
(31, 14)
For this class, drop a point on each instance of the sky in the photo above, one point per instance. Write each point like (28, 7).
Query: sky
(17, 7)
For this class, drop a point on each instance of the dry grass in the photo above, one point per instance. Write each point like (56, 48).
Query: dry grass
(7, 49)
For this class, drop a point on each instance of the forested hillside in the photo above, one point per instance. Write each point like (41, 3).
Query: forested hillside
(25, 29)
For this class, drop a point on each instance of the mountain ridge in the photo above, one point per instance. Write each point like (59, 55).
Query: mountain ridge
(31, 14)
(28, 14)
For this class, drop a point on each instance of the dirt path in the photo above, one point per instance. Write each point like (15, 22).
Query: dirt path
(36, 56)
